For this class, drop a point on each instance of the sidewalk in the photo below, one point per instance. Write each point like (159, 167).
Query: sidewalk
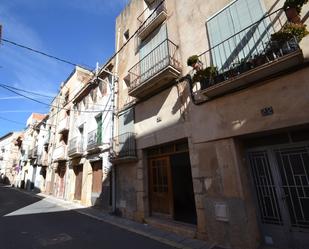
(145, 230)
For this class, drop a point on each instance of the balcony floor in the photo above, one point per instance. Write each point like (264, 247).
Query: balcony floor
(257, 74)
(156, 83)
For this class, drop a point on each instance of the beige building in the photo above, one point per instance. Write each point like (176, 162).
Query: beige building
(9, 157)
(223, 157)
(89, 141)
(29, 152)
(59, 122)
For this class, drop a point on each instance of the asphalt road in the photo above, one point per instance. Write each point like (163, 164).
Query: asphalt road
(24, 224)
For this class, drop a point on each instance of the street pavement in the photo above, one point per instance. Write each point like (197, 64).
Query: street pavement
(29, 222)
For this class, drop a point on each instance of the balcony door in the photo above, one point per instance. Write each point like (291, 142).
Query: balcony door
(99, 129)
(153, 53)
(229, 22)
(126, 129)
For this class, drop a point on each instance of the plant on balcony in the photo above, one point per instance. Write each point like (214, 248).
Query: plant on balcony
(293, 8)
(206, 76)
(242, 66)
(290, 31)
(192, 60)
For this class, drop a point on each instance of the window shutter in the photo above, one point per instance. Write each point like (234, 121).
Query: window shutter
(227, 23)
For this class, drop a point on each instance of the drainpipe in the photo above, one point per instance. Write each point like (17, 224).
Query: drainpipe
(114, 127)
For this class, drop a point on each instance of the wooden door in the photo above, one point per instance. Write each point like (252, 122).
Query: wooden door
(78, 170)
(161, 192)
(97, 176)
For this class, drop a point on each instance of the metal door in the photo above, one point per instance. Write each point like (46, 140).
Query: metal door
(281, 182)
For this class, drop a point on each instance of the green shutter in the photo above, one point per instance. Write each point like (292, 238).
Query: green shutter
(99, 129)
(228, 22)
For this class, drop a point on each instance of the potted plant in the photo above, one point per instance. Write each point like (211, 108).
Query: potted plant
(288, 37)
(206, 77)
(293, 8)
(192, 60)
(290, 31)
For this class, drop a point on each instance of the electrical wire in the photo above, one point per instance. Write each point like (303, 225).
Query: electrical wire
(42, 53)
(43, 103)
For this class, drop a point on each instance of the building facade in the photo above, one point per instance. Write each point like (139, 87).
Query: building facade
(198, 125)
(60, 120)
(89, 141)
(223, 158)
(9, 157)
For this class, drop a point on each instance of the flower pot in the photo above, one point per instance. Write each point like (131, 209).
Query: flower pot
(292, 15)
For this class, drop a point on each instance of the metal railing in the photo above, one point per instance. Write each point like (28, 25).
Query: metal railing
(35, 151)
(124, 146)
(247, 49)
(75, 146)
(60, 152)
(46, 138)
(164, 55)
(93, 140)
(64, 124)
(157, 5)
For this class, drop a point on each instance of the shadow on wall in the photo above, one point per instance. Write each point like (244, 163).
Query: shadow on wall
(103, 199)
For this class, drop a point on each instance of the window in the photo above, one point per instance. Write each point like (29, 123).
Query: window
(86, 102)
(93, 94)
(126, 35)
(228, 22)
(103, 88)
(66, 98)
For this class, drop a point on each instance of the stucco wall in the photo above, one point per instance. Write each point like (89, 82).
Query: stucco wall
(240, 113)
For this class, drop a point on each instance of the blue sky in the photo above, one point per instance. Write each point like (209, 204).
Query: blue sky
(76, 30)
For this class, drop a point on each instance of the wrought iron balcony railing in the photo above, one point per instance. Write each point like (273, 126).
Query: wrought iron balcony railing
(151, 17)
(248, 56)
(160, 65)
(35, 152)
(124, 147)
(59, 153)
(63, 125)
(47, 138)
(94, 140)
(76, 147)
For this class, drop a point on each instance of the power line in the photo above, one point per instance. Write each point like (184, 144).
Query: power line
(43, 103)
(12, 121)
(41, 53)
(30, 92)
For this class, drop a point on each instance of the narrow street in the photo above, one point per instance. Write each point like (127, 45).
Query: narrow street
(25, 224)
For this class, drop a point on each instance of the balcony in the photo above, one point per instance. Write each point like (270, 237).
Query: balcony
(42, 159)
(155, 18)
(253, 58)
(24, 157)
(124, 148)
(76, 147)
(60, 153)
(63, 125)
(155, 71)
(94, 141)
(46, 139)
